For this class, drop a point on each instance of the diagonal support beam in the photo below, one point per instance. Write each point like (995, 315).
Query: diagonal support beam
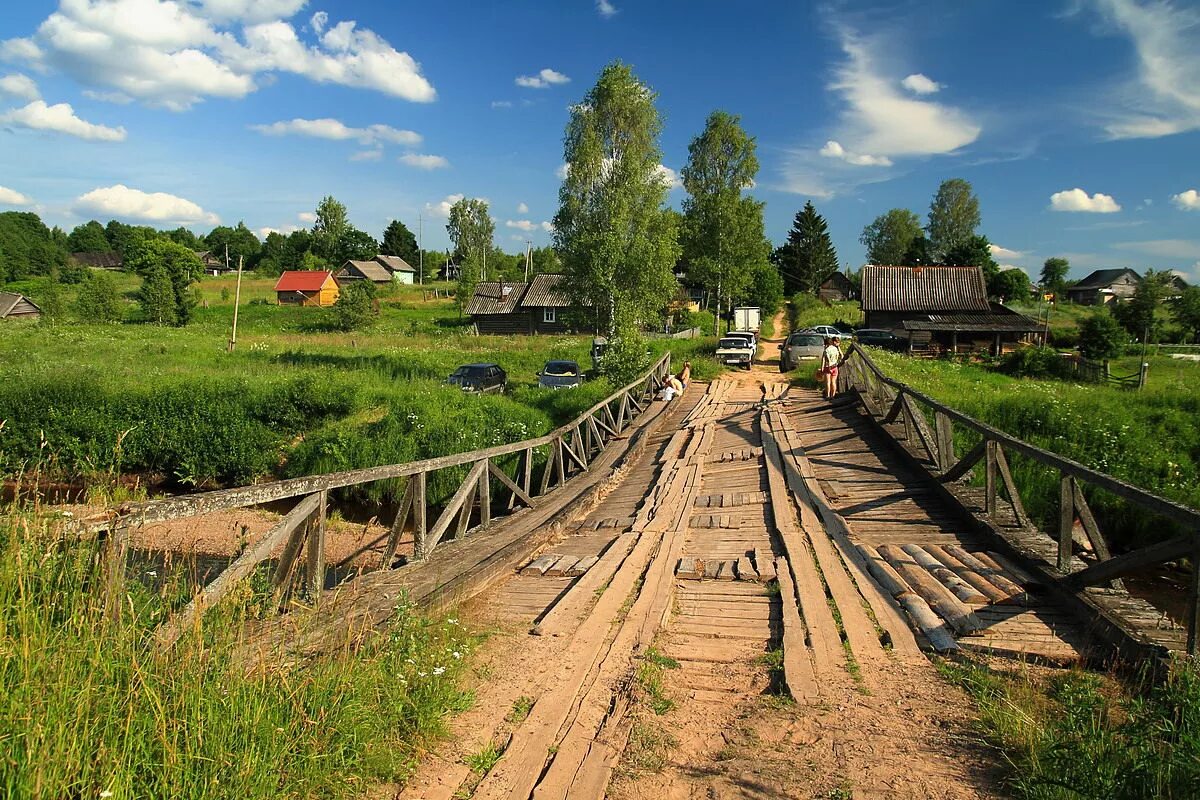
(512, 486)
(454, 506)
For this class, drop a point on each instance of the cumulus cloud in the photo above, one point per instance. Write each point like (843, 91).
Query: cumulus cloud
(522, 208)
(306, 216)
(423, 161)
(562, 171)
(543, 80)
(19, 85)
(319, 21)
(520, 224)
(1164, 98)
(1079, 200)
(1188, 201)
(669, 176)
(11, 197)
(122, 202)
(834, 150)
(1004, 253)
(61, 119)
(174, 54)
(442, 208)
(919, 84)
(328, 128)
(605, 8)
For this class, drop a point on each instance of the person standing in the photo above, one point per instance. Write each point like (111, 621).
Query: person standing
(831, 356)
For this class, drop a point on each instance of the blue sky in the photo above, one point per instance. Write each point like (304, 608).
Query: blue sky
(1077, 121)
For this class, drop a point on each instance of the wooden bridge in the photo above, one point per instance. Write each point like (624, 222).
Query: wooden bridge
(744, 519)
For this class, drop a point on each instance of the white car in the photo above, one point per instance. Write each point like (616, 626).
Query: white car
(748, 336)
(829, 330)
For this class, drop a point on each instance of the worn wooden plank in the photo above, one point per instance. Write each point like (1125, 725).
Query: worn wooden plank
(397, 529)
(540, 565)
(745, 570)
(1092, 529)
(1010, 487)
(1066, 521)
(561, 566)
(581, 566)
(964, 464)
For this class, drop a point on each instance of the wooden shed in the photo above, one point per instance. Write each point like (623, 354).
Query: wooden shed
(540, 306)
(401, 270)
(941, 309)
(306, 288)
(836, 287)
(18, 306)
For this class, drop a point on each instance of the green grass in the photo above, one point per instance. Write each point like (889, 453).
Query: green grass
(1149, 438)
(91, 709)
(520, 710)
(650, 678)
(805, 310)
(1079, 736)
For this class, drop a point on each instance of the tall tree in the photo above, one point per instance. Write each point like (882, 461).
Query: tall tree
(99, 300)
(807, 257)
(178, 264)
(185, 237)
(918, 253)
(1136, 314)
(240, 240)
(1010, 285)
(953, 217)
(328, 228)
(355, 244)
(975, 251)
(157, 297)
(1054, 275)
(888, 238)
(88, 238)
(471, 229)
(723, 240)
(26, 247)
(1187, 312)
(398, 240)
(617, 242)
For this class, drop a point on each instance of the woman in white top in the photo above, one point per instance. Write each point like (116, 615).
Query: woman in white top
(831, 356)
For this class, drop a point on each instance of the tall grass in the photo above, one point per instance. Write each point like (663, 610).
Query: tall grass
(91, 709)
(1078, 736)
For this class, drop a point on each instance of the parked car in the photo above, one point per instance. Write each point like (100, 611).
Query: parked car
(736, 351)
(801, 346)
(828, 330)
(479, 378)
(560, 375)
(749, 336)
(880, 337)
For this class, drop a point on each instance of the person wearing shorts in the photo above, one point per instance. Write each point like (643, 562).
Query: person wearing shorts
(831, 356)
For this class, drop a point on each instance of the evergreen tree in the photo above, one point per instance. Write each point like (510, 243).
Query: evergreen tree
(398, 240)
(808, 257)
(157, 297)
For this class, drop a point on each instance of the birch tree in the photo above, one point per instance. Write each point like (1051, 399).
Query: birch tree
(471, 230)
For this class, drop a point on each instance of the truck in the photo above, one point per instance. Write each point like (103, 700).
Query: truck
(747, 318)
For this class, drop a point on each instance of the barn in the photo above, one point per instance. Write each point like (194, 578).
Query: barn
(401, 270)
(836, 287)
(306, 288)
(941, 309)
(17, 306)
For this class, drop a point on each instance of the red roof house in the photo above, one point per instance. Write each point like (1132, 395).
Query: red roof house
(306, 288)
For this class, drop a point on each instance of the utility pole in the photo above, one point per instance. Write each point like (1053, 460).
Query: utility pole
(528, 258)
(420, 248)
(237, 299)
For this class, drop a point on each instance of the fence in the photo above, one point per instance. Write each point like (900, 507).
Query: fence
(1099, 372)
(890, 401)
(568, 451)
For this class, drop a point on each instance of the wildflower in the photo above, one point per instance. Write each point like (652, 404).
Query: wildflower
(456, 654)
(106, 793)
(422, 674)
(438, 670)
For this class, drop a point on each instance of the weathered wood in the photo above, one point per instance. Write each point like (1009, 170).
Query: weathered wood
(1092, 529)
(950, 608)
(316, 549)
(981, 584)
(1066, 521)
(687, 568)
(798, 670)
(1010, 488)
(940, 639)
(453, 507)
(397, 530)
(517, 492)
(485, 494)
(921, 425)
(548, 468)
(961, 589)
(764, 563)
(989, 477)
(420, 507)
(882, 571)
(464, 513)
(1119, 566)
(540, 565)
(581, 566)
(964, 464)
(726, 571)
(561, 566)
(745, 570)
(944, 429)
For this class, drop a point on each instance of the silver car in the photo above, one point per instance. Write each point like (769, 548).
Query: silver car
(800, 347)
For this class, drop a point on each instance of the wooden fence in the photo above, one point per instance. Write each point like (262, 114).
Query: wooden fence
(890, 401)
(567, 451)
(1099, 372)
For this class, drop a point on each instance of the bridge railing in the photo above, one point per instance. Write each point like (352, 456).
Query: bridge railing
(891, 401)
(568, 451)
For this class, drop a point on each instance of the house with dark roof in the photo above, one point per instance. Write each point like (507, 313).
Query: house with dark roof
(941, 308)
(504, 307)
(215, 264)
(111, 261)
(17, 306)
(836, 287)
(1104, 286)
(306, 288)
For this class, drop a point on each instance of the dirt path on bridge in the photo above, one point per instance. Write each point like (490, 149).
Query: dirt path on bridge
(634, 683)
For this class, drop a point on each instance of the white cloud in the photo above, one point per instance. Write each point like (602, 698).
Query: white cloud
(306, 216)
(61, 119)
(880, 119)
(442, 208)
(1188, 201)
(117, 98)
(919, 84)
(122, 202)
(1182, 249)
(423, 161)
(502, 104)
(1079, 200)
(1004, 252)
(605, 8)
(522, 208)
(11, 197)
(327, 128)
(834, 150)
(562, 171)
(367, 155)
(669, 176)
(19, 85)
(319, 21)
(543, 80)
(174, 54)
(1164, 98)
(521, 224)
(547, 226)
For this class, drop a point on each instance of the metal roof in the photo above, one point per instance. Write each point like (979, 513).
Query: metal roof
(546, 291)
(1005, 321)
(371, 270)
(496, 298)
(923, 289)
(111, 260)
(302, 281)
(395, 264)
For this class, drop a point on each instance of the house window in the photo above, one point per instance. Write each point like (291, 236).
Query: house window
(549, 315)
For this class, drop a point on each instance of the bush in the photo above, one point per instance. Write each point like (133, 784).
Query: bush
(99, 300)
(356, 307)
(625, 359)
(1035, 362)
(1101, 337)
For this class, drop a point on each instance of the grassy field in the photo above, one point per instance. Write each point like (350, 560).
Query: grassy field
(296, 397)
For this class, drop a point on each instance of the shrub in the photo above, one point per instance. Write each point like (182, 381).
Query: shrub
(356, 307)
(1035, 362)
(625, 359)
(1101, 336)
(99, 300)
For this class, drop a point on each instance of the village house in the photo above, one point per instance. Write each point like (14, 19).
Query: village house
(942, 309)
(109, 261)
(836, 287)
(306, 288)
(17, 306)
(371, 271)
(505, 307)
(214, 264)
(1104, 286)
(402, 271)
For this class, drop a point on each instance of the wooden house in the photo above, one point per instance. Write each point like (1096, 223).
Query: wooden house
(18, 306)
(306, 288)
(110, 261)
(540, 306)
(1104, 286)
(836, 287)
(214, 264)
(371, 271)
(941, 308)
(401, 270)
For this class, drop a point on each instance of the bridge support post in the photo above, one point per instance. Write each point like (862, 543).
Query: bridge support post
(316, 549)
(990, 476)
(944, 430)
(1066, 521)
(420, 525)
(1193, 612)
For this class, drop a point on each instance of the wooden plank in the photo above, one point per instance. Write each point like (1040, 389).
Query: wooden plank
(745, 570)
(485, 494)
(397, 529)
(798, 669)
(1066, 521)
(961, 589)
(687, 568)
(1010, 486)
(949, 607)
(517, 492)
(964, 464)
(1092, 529)
(764, 563)
(989, 477)
(420, 507)
(1119, 566)
(561, 567)
(316, 550)
(981, 584)
(540, 565)
(454, 505)
(944, 430)
(581, 566)
(726, 571)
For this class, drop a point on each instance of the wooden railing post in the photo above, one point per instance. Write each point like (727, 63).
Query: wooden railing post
(316, 549)
(1193, 614)
(944, 431)
(419, 516)
(989, 476)
(485, 496)
(1066, 521)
